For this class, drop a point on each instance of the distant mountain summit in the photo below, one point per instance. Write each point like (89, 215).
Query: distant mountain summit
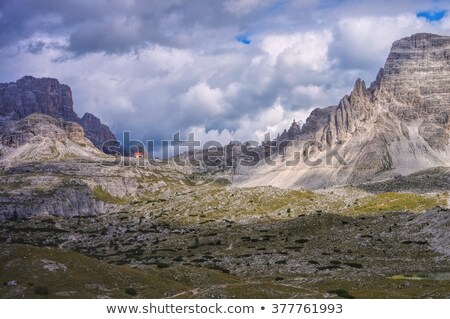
(47, 96)
(292, 133)
(397, 125)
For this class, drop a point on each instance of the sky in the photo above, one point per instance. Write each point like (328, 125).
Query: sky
(225, 70)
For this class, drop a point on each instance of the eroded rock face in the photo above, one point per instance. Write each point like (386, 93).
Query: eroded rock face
(316, 122)
(41, 137)
(417, 76)
(25, 130)
(47, 96)
(97, 132)
(30, 95)
(414, 85)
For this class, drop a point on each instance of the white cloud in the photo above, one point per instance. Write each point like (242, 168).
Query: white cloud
(365, 41)
(201, 100)
(296, 58)
(444, 24)
(299, 50)
(272, 120)
(312, 91)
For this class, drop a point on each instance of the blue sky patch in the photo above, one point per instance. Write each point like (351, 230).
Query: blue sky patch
(431, 15)
(243, 38)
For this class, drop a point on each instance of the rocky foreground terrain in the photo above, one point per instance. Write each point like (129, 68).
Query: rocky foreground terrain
(78, 226)
(78, 223)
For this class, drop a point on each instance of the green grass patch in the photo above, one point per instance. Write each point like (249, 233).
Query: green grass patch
(42, 192)
(391, 201)
(213, 202)
(6, 185)
(222, 182)
(105, 196)
(54, 151)
(75, 276)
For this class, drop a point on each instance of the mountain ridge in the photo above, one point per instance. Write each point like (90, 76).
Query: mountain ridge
(48, 96)
(40, 137)
(400, 124)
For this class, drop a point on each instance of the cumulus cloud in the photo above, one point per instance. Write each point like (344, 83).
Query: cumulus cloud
(272, 120)
(364, 42)
(299, 50)
(202, 102)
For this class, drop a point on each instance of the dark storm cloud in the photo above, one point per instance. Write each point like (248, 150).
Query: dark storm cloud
(110, 35)
(120, 26)
(36, 47)
(112, 26)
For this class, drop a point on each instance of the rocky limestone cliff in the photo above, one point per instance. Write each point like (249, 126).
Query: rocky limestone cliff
(414, 86)
(97, 132)
(41, 137)
(30, 95)
(397, 125)
(47, 96)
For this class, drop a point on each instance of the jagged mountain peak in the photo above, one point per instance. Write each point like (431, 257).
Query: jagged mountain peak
(360, 88)
(400, 124)
(30, 95)
(420, 41)
(48, 96)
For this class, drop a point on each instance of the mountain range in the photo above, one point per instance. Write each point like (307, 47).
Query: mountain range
(396, 126)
